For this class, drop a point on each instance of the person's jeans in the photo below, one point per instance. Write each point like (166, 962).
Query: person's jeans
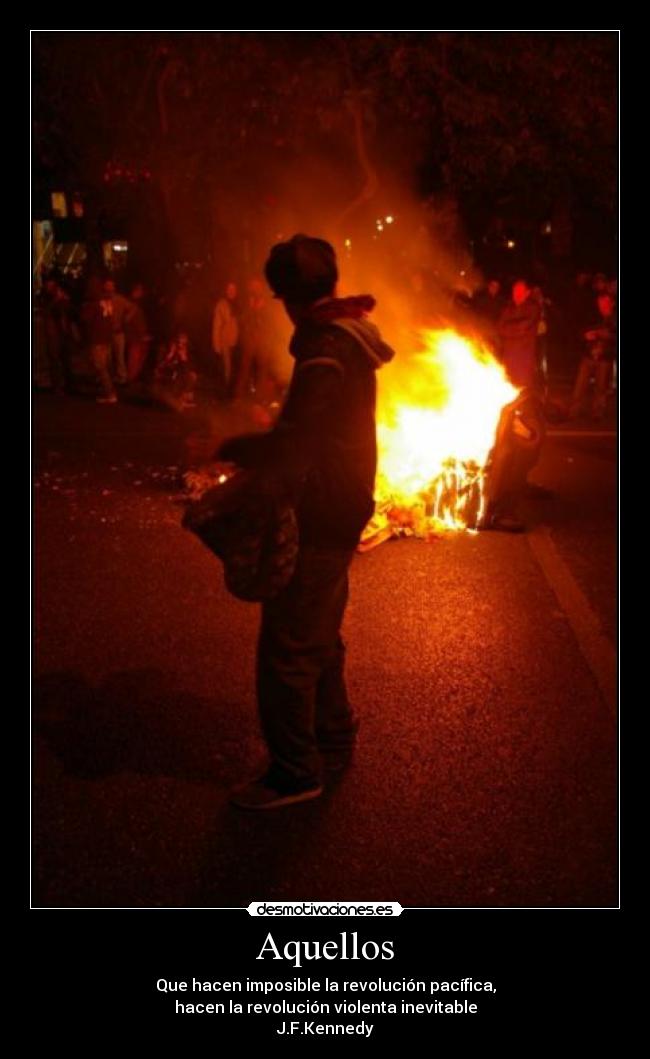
(119, 357)
(100, 356)
(136, 356)
(601, 370)
(226, 372)
(302, 697)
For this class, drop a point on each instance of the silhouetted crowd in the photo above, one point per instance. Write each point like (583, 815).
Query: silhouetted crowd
(92, 337)
(578, 330)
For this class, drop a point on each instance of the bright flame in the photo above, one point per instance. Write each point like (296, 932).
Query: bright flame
(436, 428)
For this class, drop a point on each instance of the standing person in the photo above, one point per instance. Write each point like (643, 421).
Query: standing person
(136, 332)
(522, 428)
(324, 449)
(489, 304)
(488, 301)
(122, 309)
(598, 359)
(255, 341)
(545, 307)
(225, 335)
(97, 319)
(57, 332)
(518, 327)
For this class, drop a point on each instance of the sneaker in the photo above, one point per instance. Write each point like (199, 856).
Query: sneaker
(109, 399)
(259, 795)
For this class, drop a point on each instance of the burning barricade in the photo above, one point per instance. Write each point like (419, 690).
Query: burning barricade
(438, 418)
(454, 439)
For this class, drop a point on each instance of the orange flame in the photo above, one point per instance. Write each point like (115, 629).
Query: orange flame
(436, 427)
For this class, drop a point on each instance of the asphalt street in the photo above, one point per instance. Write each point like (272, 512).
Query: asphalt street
(481, 665)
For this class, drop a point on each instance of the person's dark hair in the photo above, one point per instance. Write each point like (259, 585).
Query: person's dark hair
(302, 270)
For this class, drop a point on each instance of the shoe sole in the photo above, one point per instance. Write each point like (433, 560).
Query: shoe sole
(277, 803)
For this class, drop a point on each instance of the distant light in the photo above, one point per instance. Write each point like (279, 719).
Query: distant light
(548, 228)
(462, 272)
(348, 243)
(511, 244)
(380, 227)
(389, 220)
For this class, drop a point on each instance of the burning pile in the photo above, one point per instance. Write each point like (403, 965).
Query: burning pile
(437, 420)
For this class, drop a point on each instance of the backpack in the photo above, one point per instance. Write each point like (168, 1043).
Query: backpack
(248, 524)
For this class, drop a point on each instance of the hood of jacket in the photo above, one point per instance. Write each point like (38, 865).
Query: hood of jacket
(350, 314)
(369, 338)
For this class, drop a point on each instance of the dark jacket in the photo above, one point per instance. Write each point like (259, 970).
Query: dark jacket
(324, 447)
(518, 337)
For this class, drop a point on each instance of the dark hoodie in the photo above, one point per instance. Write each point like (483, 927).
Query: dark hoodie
(324, 446)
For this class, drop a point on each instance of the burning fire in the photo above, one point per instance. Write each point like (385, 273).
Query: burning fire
(436, 427)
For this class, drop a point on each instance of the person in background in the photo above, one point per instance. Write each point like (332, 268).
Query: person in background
(225, 335)
(518, 331)
(255, 339)
(545, 308)
(522, 426)
(55, 305)
(136, 332)
(488, 303)
(122, 309)
(598, 359)
(97, 320)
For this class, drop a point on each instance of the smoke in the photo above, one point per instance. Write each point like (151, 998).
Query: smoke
(413, 257)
